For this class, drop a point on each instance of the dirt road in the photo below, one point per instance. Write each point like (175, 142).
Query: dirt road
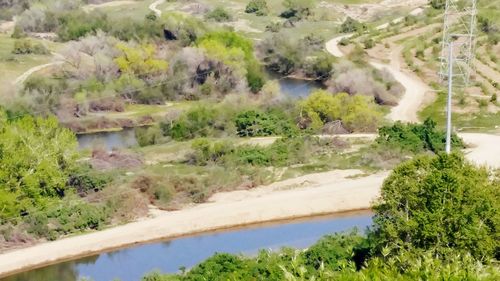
(485, 149)
(300, 197)
(415, 89)
(91, 7)
(21, 78)
(154, 7)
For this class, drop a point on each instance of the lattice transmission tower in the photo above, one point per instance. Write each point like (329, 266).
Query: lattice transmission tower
(458, 38)
(457, 53)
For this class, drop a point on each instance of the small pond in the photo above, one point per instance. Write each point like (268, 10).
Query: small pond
(108, 140)
(130, 264)
(298, 88)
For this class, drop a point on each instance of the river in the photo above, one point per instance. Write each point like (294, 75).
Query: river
(290, 87)
(130, 264)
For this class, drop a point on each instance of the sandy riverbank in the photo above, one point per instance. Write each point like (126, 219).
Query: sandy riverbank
(313, 194)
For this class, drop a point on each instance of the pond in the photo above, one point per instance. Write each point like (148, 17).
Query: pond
(130, 264)
(298, 88)
(108, 140)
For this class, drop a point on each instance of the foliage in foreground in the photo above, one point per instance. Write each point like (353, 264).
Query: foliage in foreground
(440, 204)
(437, 219)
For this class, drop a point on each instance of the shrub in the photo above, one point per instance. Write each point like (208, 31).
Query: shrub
(351, 25)
(440, 203)
(297, 9)
(254, 123)
(219, 14)
(333, 251)
(357, 113)
(75, 24)
(26, 46)
(259, 7)
(84, 179)
(206, 151)
(196, 122)
(415, 137)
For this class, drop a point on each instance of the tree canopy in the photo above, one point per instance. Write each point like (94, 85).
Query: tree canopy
(36, 156)
(441, 203)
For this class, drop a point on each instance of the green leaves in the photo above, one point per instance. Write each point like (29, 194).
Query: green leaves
(416, 137)
(35, 159)
(442, 204)
(357, 113)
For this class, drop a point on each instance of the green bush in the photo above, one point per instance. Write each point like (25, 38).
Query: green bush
(259, 7)
(27, 46)
(76, 24)
(219, 14)
(333, 251)
(255, 123)
(283, 152)
(210, 152)
(416, 137)
(442, 204)
(196, 122)
(357, 113)
(84, 179)
(149, 135)
(351, 25)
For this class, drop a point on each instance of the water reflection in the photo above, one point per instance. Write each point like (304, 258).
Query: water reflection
(132, 263)
(297, 88)
(108, 140)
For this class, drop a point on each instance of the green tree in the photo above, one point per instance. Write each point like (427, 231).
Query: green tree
(441, 204)
(36, 157)
(237, 52)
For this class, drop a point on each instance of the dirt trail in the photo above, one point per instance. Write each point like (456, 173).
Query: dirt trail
(415, 89)
(91, 7)
(300, 197)
(20, 79)
(154, 5)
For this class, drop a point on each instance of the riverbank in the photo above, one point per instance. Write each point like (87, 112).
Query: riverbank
(310, 195)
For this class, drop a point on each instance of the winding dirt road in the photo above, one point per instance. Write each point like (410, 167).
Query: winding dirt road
(415, 89)
(154, 7)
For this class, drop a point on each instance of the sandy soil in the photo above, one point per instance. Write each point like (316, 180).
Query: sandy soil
(300, 197)
(485, 149)
(7, 27)
(366, 12)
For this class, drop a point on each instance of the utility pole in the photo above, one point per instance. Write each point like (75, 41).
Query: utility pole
(448, 108)
(457, 52)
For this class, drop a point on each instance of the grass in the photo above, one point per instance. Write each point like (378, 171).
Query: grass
(481, 121)
(11, 66)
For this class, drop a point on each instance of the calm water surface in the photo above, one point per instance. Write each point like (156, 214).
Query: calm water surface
(108, 140)
(297, 88)
(131, 264)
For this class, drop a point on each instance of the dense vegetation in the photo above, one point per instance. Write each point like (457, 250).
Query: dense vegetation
(417, 234)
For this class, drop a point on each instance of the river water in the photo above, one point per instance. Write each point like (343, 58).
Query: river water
(130, 264)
